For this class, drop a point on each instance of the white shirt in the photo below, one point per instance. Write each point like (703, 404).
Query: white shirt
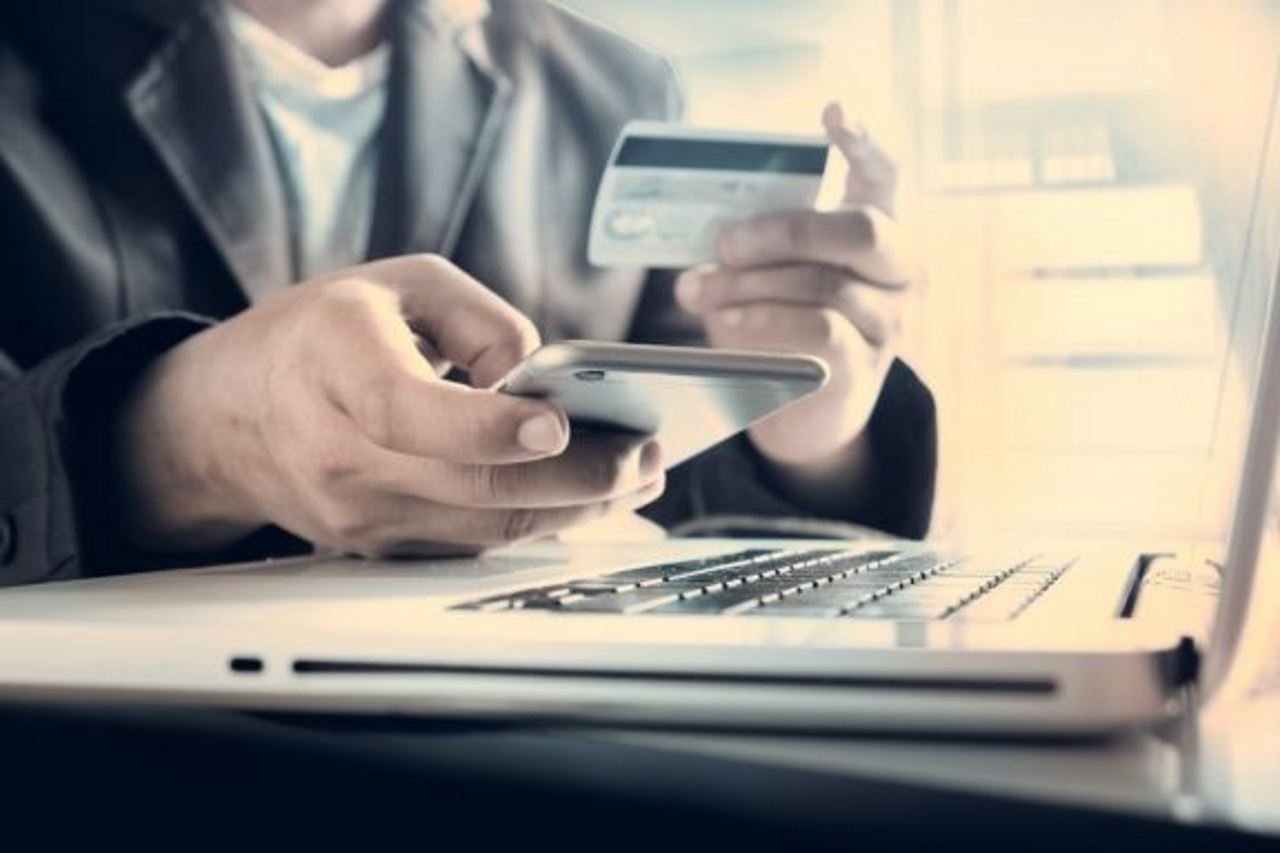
(324, 121)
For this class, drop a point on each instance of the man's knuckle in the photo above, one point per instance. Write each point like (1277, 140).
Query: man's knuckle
(376, 411)
(478, 428)
(796, 233)
(334, 470)
(517, 524)
(513, 335)
(380, 545)
(526, 334)
(328, 313)
(831, 326)
(429, 263)
(605, 472)
(717, 285)
(346, 521)
(489, 483)
(861, 229)
(340, 297)
(846, 298)
(342, 306)
(830, 282)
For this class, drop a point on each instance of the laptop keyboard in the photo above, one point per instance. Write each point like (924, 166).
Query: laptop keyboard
(898, 585)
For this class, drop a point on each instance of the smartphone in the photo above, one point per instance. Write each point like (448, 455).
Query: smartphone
(690, 398)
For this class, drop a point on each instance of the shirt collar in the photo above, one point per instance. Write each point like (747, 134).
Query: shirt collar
(449, 15)
(287, 69)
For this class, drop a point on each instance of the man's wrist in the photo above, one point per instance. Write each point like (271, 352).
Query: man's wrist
(833, 485)
(174, 493)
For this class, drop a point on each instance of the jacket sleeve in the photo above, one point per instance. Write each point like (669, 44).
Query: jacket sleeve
(732, 479)
(56, 492)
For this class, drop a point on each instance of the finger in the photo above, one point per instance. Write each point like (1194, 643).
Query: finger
(863, 240)
(594, 468)
(448, 421)
(874, 311)
(439, 364)
(501, 527)
(467, 324)
(872, 178)
(406, 408)
(408, 526)
(689, 284)
(771, 327)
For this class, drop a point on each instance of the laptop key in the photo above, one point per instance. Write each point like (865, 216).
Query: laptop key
(925, 598)
(714, 604)
(993, 611)
(598, 585)
(727, 575)
(754, 567)
(831, 596)
(798, 606)
(517, 600)
(1018, 581)
(632, 601)
(818, 583)
(664, 571)
(992, 606)
(818, 572)
(887, 609)
(739, 598)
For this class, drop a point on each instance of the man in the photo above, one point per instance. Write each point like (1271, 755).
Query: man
(168, 168)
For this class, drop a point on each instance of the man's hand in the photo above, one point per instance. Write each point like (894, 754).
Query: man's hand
(826, 284)
(323, 410)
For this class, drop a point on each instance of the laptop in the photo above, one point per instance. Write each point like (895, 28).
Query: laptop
(776, 634)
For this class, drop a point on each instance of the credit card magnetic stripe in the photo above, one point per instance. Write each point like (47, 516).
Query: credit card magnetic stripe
(723, 155)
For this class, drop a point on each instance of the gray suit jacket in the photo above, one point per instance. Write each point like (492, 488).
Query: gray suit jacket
(139, 201)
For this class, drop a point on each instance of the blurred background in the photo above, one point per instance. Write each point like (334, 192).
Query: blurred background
(1081, 175)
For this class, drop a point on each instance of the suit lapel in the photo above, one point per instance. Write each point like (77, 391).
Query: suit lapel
(447, 104)
(194, 107)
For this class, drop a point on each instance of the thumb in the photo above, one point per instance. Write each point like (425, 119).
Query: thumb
(873, 177)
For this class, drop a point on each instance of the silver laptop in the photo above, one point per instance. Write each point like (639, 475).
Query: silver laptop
(760, 633)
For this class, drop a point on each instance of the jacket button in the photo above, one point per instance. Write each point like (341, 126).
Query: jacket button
(8, 539)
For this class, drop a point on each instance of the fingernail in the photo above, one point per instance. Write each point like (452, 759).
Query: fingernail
(688, 287)
(731, 317)
(541, 434)
(650, 460)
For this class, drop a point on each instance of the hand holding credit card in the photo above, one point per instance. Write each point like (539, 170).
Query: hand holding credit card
(669, 188)
(764, 270)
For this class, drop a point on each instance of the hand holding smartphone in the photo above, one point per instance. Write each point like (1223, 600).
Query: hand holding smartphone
(690, 398)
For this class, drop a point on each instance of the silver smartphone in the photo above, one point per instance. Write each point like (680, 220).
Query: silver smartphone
(688, 397)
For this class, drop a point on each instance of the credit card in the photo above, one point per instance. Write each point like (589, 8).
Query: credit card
(669, 188)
